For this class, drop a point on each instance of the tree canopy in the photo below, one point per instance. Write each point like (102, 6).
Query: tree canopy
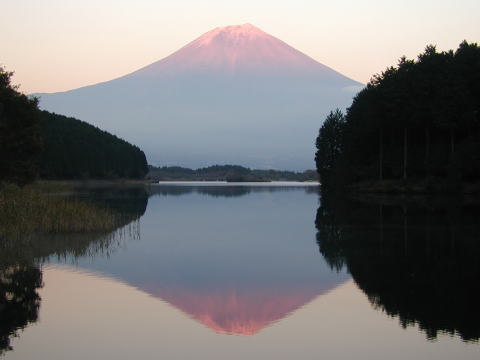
(329, 142)
(20, 142)
(75, 149)
(417, 120)
(38, 143)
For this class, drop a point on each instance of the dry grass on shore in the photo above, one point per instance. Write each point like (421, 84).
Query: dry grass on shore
(30, 210)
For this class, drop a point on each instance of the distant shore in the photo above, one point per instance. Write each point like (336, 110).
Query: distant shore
(240, 183)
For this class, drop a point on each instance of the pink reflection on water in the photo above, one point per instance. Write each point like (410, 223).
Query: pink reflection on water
(239, 312)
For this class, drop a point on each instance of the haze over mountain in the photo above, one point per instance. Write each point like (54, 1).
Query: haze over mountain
(234, 95)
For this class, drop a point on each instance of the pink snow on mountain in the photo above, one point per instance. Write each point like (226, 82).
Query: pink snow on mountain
(234, 49)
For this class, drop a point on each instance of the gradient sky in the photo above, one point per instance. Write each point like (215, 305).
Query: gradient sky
(56, 45)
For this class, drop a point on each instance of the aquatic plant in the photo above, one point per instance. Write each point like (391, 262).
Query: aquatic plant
(30, 210)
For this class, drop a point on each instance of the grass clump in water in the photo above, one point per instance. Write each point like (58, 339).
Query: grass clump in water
(28, 210)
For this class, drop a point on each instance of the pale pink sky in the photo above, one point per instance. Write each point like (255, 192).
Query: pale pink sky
(56, 45)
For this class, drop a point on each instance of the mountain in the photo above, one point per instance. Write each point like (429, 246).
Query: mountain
(241, 50)
(234, 95)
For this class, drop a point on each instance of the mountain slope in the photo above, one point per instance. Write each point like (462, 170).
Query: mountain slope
(234, 95)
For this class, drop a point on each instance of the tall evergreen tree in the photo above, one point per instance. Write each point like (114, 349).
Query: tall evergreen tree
(417, 120)
(329, 145)
(20, 142)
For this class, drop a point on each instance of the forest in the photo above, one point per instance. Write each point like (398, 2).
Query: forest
(74, 149)
(36, 143)
(20, 142)
(416, 125)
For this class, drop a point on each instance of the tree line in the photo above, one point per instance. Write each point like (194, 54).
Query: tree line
(232, 173)
(20, 142)
(418, 121)
(74, 149)
(37, 143)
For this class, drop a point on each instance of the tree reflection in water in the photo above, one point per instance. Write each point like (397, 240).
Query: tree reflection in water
(223, 190)
(417, 259)
(19, 300)
(21, 260)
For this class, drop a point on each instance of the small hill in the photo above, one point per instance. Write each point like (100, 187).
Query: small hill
(75, 149)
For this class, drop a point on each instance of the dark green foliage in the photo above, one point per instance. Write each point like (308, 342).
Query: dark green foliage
(417, 261)
(20, 142)
(75, 149)
(418, 120)
(72, 149)
(226, 173)
(329, 145)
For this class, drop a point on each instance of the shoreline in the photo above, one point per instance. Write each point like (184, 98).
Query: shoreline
(90, 182)
(240, 183)
(413, 187)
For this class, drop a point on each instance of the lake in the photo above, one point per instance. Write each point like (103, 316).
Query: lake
(249, 271)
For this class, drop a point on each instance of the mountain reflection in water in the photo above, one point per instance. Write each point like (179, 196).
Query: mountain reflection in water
(241, 312)
(238, 259)
(416, 258)
(226, 255)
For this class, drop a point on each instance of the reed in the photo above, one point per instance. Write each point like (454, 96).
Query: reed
(31, 210)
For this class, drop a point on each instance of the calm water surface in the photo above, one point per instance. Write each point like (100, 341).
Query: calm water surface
(217, 271)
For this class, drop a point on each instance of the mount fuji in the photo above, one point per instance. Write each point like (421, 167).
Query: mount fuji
(235, 95)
